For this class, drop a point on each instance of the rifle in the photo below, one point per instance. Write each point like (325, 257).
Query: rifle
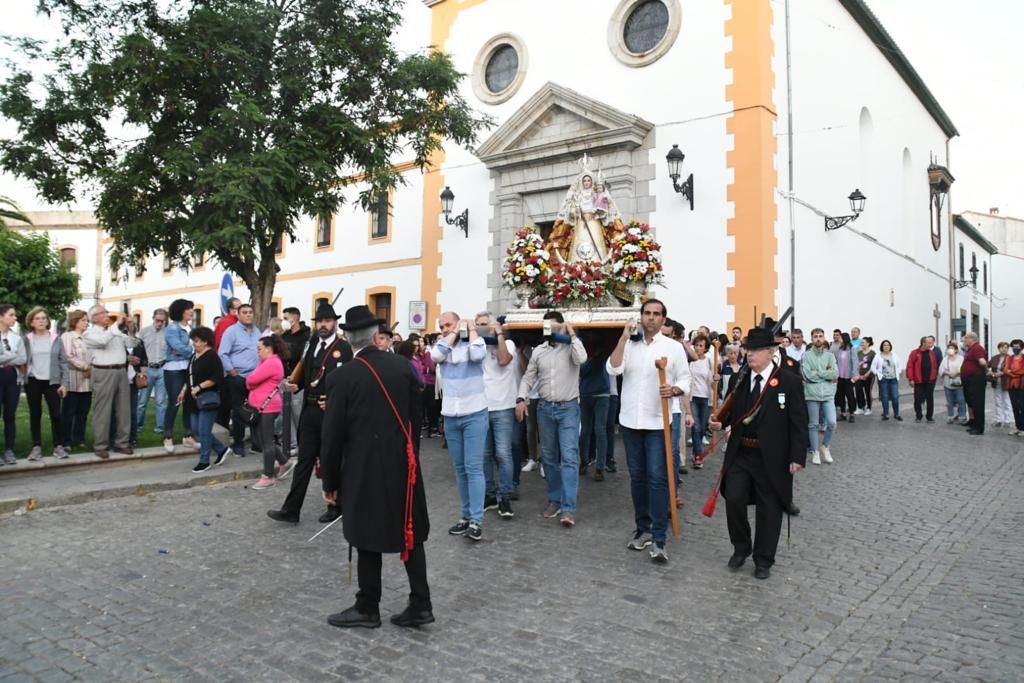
(297, 372)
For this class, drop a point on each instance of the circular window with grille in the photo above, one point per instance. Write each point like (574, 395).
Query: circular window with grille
(642, 31)
(499, 69)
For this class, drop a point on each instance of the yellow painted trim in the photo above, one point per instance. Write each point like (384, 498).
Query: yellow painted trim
(442, 18)
(372, 215)
(317, 249)
(400, 167)
(318, 295)
(371, 293)
(752, 160)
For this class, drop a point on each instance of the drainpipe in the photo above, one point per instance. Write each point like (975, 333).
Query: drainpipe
(792, 219)
(952, 251)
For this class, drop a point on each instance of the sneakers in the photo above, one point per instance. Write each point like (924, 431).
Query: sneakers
(885, 418)
(189, 442)
(219, 460)
(640, 540)
(950, 420)
(10, 458)
(568, 521)
(542, 475)
(826, 455)
(202, 467)
(867, 411)
(858, 412)
(658, 554)
(35, 454)
(816, 459)
(599, 475)
(552, 510)
(60, 453)
(169, 445)
(698, 461)
(490, 503)
(530, 466)
(505, 509)
(459, 528)
(475, 532)
(898, 418)
(265, 482)
(284, 470)
(821, 429)
(611, 468)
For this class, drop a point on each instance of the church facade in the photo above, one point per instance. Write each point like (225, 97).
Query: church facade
(776, 128)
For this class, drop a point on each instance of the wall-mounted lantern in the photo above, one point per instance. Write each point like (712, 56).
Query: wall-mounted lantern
(675, 159)
(462, 220)
(856, 205)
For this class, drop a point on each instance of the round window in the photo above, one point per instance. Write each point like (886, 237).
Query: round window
(646, 26)
(502, 68)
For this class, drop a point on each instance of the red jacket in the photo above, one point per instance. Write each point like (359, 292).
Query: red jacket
(1014, 371)
(222, 326)
(914, 367)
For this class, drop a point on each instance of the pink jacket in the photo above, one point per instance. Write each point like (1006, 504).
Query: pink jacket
(267, 375)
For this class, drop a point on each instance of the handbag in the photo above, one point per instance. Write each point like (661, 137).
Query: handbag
(205, 400)
(251, 415)
(141, 381)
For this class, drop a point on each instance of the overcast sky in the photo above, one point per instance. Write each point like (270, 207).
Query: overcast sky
(967, 51)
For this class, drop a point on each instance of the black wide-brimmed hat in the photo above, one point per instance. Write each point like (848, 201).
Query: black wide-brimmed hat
(325, 311)
(759, 338)
(359, 318)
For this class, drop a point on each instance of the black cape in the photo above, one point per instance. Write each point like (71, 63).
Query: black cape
(364, 452)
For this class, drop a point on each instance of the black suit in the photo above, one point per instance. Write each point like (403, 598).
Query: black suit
(365, 460)
(311, 420)
(760, 476)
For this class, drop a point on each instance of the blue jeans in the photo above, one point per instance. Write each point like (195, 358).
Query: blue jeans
(594, 426)
(648, 481)
(701, 412)
(821, 412)
(159, 391)
(466, 435)
(174, 380)
(559, 444)
(518, 446)
(498, 448)
(202, 426)
(613, 422)
(677, 435)
(955, 399)
(889, 392)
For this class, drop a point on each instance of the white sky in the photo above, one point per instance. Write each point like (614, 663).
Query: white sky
(967, 52)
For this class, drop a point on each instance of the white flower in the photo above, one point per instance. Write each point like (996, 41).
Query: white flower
(641, 266)
(532, 271)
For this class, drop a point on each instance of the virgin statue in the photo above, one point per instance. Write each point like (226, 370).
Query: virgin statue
(588, 222)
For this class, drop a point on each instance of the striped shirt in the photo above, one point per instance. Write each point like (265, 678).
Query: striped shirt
(79, 361)
(462, 377)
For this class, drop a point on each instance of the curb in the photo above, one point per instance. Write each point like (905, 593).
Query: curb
(89, 459)
(9, 505)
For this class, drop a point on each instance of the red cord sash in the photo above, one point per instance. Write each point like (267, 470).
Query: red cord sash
(410, 454)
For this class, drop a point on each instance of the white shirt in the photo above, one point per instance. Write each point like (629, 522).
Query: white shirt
(500, 381)
(702, 377)
(108, 346)
(765, 374)
(795, 353)
(640, 401)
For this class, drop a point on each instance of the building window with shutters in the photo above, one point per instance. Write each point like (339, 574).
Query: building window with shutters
(69, 256)
(961, 252)
(381, 305)
(984, 278)
(167, 265)
(324, 231)
(380, 219)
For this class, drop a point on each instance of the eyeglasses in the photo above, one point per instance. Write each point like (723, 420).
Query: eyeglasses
(159, 320)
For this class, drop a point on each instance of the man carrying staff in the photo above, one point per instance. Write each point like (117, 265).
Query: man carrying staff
(767, 446)
(643, 432)
(368, 455)
(323, 354)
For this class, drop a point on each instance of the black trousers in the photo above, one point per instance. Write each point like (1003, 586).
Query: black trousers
(974, 393)
(237, 394)
(36, 390)
(747, 476)
(431, 409)
(925, 393)
(368, 569)
(311, 421)
(863, 390)
(845, 399)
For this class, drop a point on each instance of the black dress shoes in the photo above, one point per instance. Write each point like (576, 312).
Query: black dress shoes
(332, 514)
(282, 516)
(794, 510)
(353, 618)
(737, 560)
(414, 616)
(762, 572)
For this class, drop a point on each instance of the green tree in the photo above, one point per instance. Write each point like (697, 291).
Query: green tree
(34, 275)
(9, 211)
(233, 118)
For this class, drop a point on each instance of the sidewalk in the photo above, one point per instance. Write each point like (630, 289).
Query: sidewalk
(84, 477)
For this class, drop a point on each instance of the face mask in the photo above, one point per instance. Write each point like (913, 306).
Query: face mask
(286, 325)
(951, 352)
(1016, 350)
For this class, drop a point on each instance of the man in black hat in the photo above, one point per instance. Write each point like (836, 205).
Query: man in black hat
(767, 446)
(324, 352)
(368, 454)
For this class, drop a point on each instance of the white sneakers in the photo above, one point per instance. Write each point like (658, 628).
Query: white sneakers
(858, 412)
(169, 445)
(816, 459)
(189, 442)
(530, 466)
(826, 455)
(35, 454)
(867, 411)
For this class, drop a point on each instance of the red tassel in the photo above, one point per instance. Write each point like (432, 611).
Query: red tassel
(712, 501)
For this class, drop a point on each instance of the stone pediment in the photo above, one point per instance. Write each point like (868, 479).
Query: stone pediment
(559, 123)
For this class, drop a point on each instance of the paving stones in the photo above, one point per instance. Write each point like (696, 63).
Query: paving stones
(904, 564)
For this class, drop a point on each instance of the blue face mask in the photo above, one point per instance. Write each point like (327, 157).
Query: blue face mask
(558, 338)
(1016, 350)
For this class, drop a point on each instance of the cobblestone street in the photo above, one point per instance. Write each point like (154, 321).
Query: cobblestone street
(905, 564)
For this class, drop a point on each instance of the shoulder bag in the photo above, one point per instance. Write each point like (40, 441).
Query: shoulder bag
(205, 400)
(252, 415)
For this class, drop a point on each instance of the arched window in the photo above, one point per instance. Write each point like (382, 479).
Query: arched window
(69, 256)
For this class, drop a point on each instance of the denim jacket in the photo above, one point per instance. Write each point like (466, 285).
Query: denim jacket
(178, 346)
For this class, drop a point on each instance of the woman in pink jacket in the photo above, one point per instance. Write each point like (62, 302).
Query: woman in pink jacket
(264, 386)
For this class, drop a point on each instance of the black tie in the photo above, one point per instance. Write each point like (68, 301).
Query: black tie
(320, 351)
(755, 393)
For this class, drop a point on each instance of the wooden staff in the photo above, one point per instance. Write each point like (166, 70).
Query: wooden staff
(667, 428)
(714, 399)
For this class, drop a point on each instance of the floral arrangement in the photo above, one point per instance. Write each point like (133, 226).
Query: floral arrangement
(526, 260)
(582, 282)
(636, 257)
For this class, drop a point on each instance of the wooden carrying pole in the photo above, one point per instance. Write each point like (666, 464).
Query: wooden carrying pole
(669, 465)
(714, 399)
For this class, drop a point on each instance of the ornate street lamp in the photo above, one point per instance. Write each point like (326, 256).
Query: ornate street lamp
(856, 205)
(973, 282)
(462, 220)
(939, 182)
(675, 159)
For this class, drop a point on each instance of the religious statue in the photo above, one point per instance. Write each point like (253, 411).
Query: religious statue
(588, 222)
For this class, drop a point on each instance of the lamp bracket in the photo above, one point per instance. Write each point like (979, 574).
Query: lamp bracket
(836, 222)
(461, 222)
(686, 189)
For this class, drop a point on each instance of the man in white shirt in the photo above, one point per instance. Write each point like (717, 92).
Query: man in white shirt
(641, 419)
(110, 390)
(500, 392)
(156, 351)
(798, 346)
